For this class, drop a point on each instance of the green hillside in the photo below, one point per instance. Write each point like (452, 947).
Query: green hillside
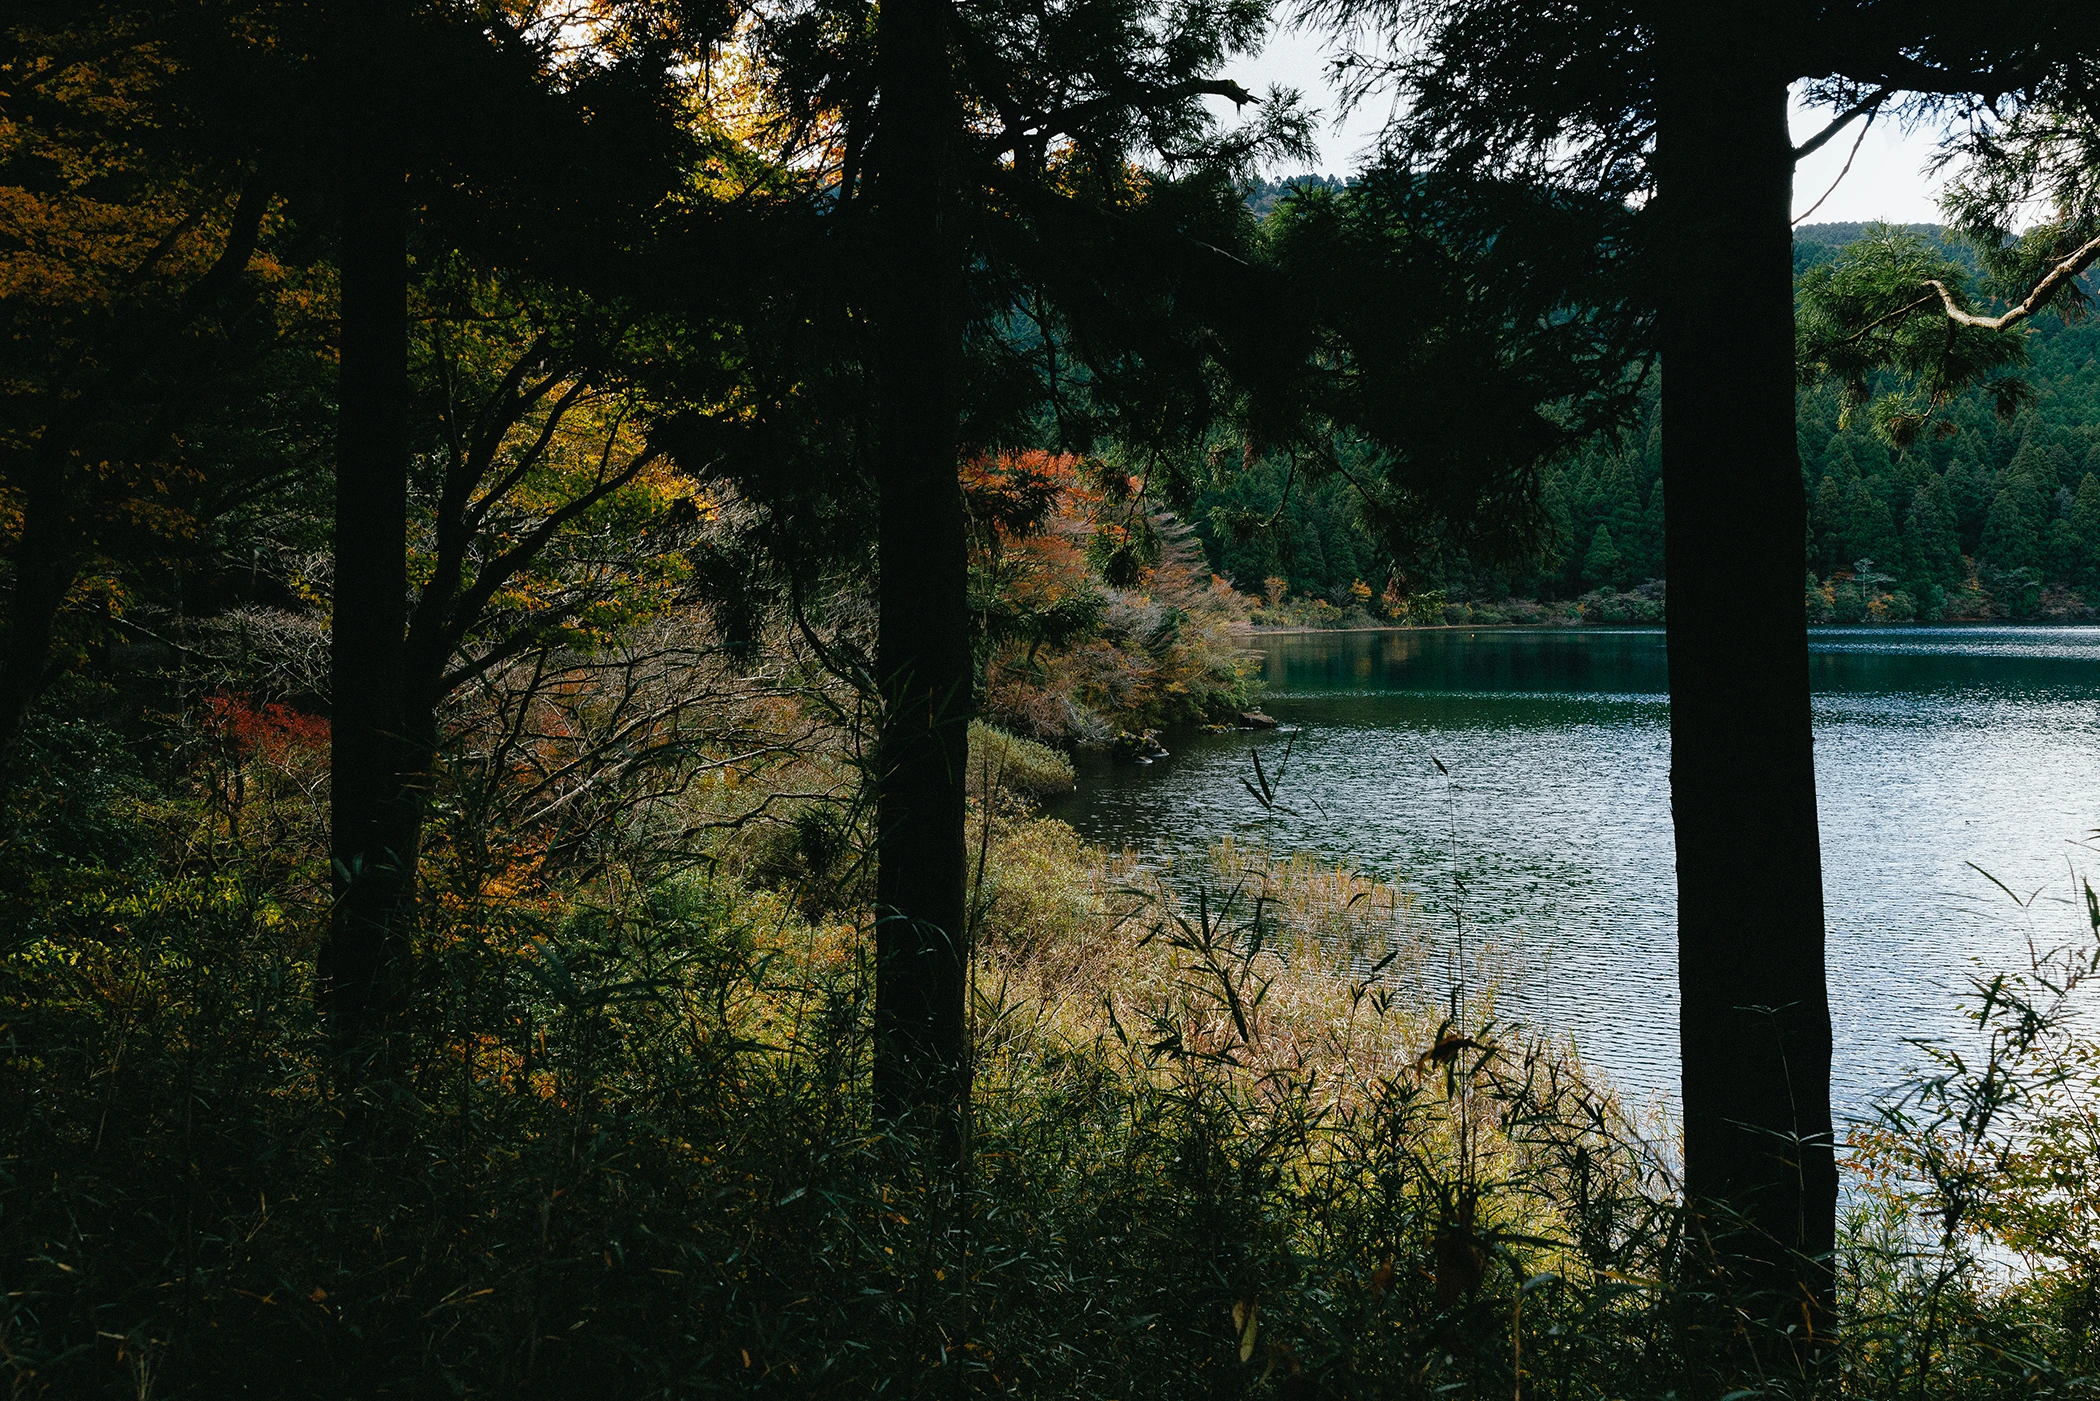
(1981, 518)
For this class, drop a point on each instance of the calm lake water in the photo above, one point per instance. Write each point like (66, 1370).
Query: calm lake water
(1935, 749)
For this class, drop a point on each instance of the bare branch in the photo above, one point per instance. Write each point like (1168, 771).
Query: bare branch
(477, 512)
(498, 570)
(1857, 142)
(1900, 312)
(1868, 107)
(507, 404)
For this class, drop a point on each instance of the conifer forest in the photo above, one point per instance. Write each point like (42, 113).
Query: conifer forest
(569, 573)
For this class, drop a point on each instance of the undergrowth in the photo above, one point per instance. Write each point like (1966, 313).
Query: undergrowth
(1214, 1151)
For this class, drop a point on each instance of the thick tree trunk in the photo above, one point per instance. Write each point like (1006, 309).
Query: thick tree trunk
(1755, 1012)
(373, 807)
(923, 652)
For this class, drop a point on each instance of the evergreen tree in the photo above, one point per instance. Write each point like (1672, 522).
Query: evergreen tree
(2062, 550)
(1968, 496)
(1652, 537)
(1838, 459)
(2085, 530)
(1626, 513)
(1601, 564)
(2012, 529)
(1870, 528)
(1908, 567)
(2043, 461)
(1557, 540)
(1939, 537)
(1828, 509)
(1827, 523)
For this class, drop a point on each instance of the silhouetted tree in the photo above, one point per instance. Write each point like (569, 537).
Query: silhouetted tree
(372, 806)
(923, 657)
(1685, 108)
(1027, 276)
(467, 133)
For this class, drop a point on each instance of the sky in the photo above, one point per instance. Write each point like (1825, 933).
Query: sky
(1887, 180)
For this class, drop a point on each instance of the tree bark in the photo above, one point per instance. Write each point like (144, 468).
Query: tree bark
(1755, 1013)
(923, 651)
(373, 805)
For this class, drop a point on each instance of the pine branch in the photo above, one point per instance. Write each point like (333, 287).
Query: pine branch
(2040, 297)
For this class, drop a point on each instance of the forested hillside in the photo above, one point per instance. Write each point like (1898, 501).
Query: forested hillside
(1982, 517)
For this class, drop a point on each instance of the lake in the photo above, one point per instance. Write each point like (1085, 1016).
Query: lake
(1938, 750)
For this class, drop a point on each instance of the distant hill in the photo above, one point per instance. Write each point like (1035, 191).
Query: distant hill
(1819, 243)
(1262, 195)
(1813, 243)
(1839, 234)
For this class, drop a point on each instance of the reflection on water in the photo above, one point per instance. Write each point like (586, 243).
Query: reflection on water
(1935, 748)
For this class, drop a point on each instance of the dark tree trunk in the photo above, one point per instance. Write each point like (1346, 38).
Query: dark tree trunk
(373, 805)
(923, 652)
(1755, 1012)
(44, 572)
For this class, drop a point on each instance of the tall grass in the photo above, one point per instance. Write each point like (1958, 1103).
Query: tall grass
(1216, 1149)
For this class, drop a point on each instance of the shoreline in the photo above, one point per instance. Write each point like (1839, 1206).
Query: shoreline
(1250, 630)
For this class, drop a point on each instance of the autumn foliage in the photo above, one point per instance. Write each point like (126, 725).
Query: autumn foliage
(1097, 607)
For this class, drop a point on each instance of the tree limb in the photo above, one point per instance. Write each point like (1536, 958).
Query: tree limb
(1066, 119)
(1905, 73)
(2043, 291)
(476, 512)
(506, 405)
(500, 569)
(1866, 107)
(1902, 311)
(1857, 142)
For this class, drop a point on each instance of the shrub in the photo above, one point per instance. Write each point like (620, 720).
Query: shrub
(1003, 762)
(1641, 605)
(1100, 613)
